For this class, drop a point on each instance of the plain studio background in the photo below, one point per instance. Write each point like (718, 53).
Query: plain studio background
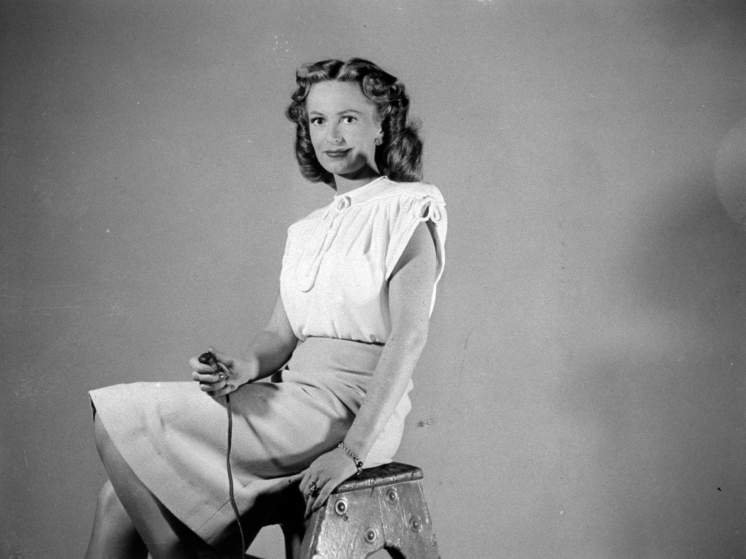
(582, 392)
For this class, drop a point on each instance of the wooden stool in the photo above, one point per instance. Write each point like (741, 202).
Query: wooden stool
(382, 508)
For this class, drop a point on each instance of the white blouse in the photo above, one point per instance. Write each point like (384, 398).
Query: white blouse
(338, 259)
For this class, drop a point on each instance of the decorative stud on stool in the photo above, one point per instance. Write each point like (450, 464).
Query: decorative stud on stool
(382, 508)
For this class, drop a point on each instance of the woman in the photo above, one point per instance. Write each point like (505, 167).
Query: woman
(356, 291)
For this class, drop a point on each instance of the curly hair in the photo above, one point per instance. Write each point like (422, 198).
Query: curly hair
(400, 154)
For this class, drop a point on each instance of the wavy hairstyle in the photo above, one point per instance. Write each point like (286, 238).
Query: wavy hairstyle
(400, 154)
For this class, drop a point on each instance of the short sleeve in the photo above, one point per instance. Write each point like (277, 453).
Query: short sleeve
(425, 204)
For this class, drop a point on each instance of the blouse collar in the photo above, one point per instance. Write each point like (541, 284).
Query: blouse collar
(360, 193)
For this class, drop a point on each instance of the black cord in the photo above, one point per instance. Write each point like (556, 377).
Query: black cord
(231, 494)
(209, 358)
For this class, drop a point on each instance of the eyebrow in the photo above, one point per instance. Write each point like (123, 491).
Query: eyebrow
(339, 113)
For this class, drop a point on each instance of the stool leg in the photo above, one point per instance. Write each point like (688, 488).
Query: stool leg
(311, 537)
(407, 521)
(331, 535)
(419, 548)
(365, 516)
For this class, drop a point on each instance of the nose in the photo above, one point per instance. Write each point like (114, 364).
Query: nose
(333, 135)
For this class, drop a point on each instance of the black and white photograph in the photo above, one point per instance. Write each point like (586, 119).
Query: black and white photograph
(407, 279)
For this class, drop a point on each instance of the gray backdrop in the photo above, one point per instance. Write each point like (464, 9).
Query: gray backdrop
(582, 391)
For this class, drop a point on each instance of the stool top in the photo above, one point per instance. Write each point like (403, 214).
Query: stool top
(393, 472)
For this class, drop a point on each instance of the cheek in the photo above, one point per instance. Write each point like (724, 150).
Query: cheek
(316, 137)
(363, 138)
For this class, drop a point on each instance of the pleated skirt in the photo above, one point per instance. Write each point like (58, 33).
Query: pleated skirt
(174, 436)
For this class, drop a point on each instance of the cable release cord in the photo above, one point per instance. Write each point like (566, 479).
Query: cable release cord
(231, 494)
(209, 358)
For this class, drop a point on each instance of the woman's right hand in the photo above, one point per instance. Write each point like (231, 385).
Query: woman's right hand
(226, 376)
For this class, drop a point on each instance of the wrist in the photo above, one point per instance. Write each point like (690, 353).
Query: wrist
(352, 455)
(252, 367)
(246, 368)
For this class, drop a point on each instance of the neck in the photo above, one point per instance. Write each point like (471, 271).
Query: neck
(345, 184)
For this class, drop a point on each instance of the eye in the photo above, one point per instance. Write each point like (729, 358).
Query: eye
(316, 121)
(349, 119)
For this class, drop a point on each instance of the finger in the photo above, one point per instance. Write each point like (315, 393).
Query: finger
(323, 496)
(206, 377)
(224, 391)
(311, 482)
(222, 357)
(214, 385)
(305, 482)
(313, 501)
(310, 492)
(217, 390)
(309, 506)
(312, 496)
(295, 479)
(212, 389)
(196, 365)
(223, 369)
(211, 379)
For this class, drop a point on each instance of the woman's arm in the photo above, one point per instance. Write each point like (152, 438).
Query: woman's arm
(274, 344)
(269, 350)
(410, 297)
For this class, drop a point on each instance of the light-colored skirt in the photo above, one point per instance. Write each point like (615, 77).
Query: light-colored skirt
(174, 436)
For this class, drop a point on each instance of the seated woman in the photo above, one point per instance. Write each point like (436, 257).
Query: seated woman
(357, 288)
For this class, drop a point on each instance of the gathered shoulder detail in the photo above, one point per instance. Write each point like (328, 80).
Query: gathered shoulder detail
(416, 203)
(425, 205)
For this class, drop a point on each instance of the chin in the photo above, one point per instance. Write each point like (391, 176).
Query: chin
(350, 167)
(346, 171)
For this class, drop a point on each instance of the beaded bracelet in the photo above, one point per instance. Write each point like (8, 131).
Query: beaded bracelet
(358, 463)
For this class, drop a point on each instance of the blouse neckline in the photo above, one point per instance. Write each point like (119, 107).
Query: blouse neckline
(360, 193)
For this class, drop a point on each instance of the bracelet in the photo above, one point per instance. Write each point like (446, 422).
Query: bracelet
(358, 463)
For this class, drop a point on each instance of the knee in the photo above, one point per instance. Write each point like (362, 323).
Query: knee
(103, 441)
(99, 433)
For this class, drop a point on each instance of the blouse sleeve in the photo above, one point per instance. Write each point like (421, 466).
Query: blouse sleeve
(410, 209)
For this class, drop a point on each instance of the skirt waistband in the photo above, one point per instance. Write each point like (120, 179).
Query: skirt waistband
(317, 354)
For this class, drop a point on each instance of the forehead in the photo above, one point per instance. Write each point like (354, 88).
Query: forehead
(335, 96)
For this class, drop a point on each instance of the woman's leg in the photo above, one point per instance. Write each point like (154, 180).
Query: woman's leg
(163, 534)
(113, 534)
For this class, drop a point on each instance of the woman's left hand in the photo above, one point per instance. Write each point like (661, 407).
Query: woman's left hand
(323, 476)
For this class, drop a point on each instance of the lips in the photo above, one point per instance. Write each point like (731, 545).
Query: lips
(337, 153)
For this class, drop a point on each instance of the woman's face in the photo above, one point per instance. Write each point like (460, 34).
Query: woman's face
(344, 125)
